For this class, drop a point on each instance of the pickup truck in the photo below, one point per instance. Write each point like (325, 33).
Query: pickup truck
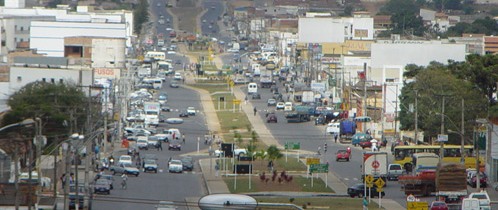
(236, 152)
(394, 171)
(124, 168)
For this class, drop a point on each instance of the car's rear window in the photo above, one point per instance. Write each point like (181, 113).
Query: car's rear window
(395, 167)
(479, 196)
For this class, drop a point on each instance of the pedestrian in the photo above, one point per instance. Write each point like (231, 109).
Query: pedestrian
(216, 168)
(319, 150)
(245, 100)
(255, 111)
(270, 166)
(183, 137)
(335, 137)
(159, 146)
(365, 203)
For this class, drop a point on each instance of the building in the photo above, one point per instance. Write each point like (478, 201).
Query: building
(332, 29)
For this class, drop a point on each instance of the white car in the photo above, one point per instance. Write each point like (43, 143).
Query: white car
(236, 152)
(142, 142)
(177, 76)
(175, 166)
(288, 106)
(125, 159)
(191, 111)
(280, 105)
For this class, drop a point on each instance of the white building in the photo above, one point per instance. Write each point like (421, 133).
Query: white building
(333, 29)
(45, 41)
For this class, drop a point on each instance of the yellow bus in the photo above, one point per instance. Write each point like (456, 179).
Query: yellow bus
(403, 154)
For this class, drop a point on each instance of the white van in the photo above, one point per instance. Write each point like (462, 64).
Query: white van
(252, 88)
(158, 83)
(334, 128)
(470, 204)
(288, 106)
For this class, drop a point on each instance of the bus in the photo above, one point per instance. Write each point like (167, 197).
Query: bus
(403, 155)
(158, 56)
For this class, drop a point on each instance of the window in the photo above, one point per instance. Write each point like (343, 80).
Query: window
(19, 79)
(52, 80)
(22, 28)
(44, 79)
(61, 81)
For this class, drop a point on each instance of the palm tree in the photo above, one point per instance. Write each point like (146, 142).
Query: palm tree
(274, 153)
(261, 155)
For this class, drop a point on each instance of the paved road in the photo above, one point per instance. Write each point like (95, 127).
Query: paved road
(214, 12)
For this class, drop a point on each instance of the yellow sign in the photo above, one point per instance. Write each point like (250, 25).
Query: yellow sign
(369, 179)
(380, 189)
(231, 83)
(370, 185)
(236, 101)
(417, 206)
(311, 161)
(380, 183)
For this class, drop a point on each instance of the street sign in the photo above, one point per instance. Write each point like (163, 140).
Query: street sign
(319, 168)
(380, 183)
(236, 101)
(417, 205)
(442, 138)
(369, 179)
(311, 161)
(292, 145)
(370, 185)
(380, 189)
(375, 164)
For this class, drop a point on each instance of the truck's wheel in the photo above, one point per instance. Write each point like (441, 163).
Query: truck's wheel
(360, 195)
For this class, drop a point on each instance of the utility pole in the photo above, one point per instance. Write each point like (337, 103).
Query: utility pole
(441, 152)
(56, 152)
(66, 177)
(16, 175)
(462, 135)
(364, 94)
(396, 115)
(30, 176)
(38, 145)
(416, 117)
(105, 120)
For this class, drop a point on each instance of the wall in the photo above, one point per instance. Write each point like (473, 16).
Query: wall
(415, 52)
(319, 30)
(52, 44)
(108, 53)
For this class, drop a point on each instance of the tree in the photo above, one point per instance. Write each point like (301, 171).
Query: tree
(57, 104)
(274, 153)
(404, 15)
(431, 84)
(140, 15)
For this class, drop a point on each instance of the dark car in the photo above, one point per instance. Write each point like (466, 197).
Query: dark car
(358, 190)
(165, 108)
(102, 186)
(175, 145)
(320, 120)
(162, 118)
(108, 177)
(271, 118)
(483, 179)
(184, 113)
(150, 165)
(256, 96)
(188, 163)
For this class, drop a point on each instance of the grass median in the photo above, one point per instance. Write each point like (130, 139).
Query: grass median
(317, 202)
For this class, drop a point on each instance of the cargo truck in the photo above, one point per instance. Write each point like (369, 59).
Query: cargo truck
(299, 114)
(448, 182)
(152, 111)
(348, 129)
(375, 164)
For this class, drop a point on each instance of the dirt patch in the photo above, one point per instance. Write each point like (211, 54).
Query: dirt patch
(186, 21)
(373, 7)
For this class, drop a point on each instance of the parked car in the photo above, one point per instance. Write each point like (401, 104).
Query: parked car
(165, 108)
(175, 166)
(272, 102)
(102, 186)
(188, 163)
(271, 118)
(280, 105)
(438, 205)
(150, 165)
(256, 96)
(357, 190)
(124, 159)
(483, 197)
(342, 155)
(177, 76)
(143, 143)
(394, 171)
(175, 145)
(472, 179)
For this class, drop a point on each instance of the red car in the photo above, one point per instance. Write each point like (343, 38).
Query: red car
(368, 144)
(438, 205)
(342, 155)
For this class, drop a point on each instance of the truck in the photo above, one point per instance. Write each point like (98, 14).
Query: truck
(375, 164)
(348, 129)
(160, 42)
(447, 182)
(299, 114)
(152, 111)
(266, 81)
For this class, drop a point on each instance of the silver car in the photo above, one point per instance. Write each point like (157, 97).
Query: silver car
(175, 166)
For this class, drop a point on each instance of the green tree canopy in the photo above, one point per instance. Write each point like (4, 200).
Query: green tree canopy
(140, 15)
(404, 15)
(486, 26)
(432, 83)
(61, 107)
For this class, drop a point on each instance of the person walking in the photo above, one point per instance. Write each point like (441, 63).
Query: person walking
(319, 150)
(255, 111)
(245, 100)
(365, 203)
(159, 146)
(183, 137)
(335, 137)
(217, 168)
